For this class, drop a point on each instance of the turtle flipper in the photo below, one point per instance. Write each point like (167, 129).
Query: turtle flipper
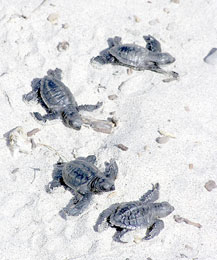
(91, 159)
(43, 119)
(73, 209)
(34, 94)
(101, 223)
(31, 96)
(89, 108)
(57, 177)
(154, 67)
(152, 44)
(151, 195)
(118, 234)
(105, 57)
(114, 41)
(154, 230)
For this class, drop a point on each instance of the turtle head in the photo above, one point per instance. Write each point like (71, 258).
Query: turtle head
(71, 118)
(163, 209)
(100, 185)
(164, 58)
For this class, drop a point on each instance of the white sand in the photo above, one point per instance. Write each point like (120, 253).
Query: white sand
(30, 227)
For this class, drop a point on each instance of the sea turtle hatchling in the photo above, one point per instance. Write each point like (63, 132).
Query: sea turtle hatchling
(83, 179)
(137, 57)
(57, 100)
(128, 216)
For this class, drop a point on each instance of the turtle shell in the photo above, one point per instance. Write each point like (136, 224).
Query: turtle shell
(130, 54)
(132, 215)
(79, 173)
(55, 94)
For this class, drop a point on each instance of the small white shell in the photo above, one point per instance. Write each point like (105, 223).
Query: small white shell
(162, 139)
(53, 18)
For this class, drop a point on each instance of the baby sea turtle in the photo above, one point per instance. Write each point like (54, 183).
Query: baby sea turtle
(83, 179)
(57, 100)
(137, 57)
(128, 216)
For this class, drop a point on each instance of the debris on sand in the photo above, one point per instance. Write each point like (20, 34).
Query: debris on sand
(112, 97)
(179, 219)
(62, 46)
(175, 1)
(103, 126)
(33, 132)
(18, 141)
(65, 26)
(210, 185)
(164, 133)
(162, 139)
(122, 147)
(137, 19)
(53, 18)
(113, 120)
(191, 166)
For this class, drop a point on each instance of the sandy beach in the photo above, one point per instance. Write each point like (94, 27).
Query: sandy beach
(145, 108)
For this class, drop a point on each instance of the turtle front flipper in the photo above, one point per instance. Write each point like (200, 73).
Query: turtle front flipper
(33, 96)
(151, 195)
(57, 177)
(154, 230)
(77, 208)
(152, 44)
(89, 108)
(43, 119)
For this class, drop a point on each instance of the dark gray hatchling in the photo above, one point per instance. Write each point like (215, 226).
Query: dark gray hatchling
(128, 216)
(57, 100)
(83, 179)
(137, 57)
